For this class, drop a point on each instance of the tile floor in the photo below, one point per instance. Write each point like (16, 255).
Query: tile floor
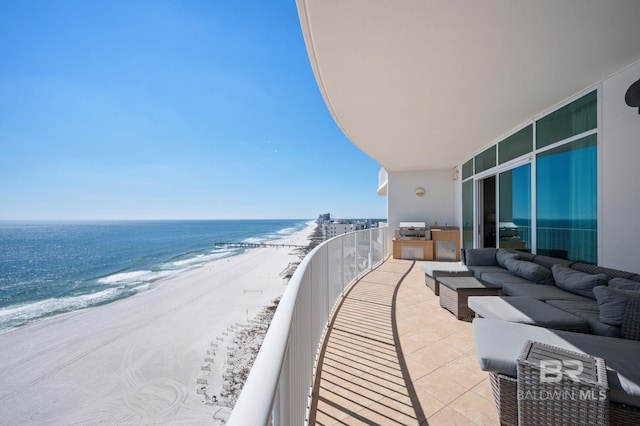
(395, 357)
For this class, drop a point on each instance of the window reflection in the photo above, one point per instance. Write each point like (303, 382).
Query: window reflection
(567, 201)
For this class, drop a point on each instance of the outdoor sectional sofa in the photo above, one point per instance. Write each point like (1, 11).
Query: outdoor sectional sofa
(606, 301)
(565, 285)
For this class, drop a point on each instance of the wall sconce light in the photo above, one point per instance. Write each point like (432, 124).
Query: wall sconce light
(455, 173)
(632, 97)
(420, 192)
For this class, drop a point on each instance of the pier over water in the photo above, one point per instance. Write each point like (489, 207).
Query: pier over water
(254, 245)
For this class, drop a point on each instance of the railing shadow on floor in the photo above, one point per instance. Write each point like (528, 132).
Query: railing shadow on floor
(362, 372)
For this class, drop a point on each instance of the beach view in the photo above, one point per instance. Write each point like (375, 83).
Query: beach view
(157, 356)
(163, 165)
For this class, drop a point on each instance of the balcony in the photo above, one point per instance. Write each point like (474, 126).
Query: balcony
(394, 356)
(359, 338)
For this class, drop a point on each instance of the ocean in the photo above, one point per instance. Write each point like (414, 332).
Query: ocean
(52, 268)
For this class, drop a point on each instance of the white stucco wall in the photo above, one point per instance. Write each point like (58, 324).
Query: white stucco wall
(437, 204)
(620, 175)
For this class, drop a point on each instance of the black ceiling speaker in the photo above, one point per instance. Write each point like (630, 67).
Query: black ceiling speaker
(632, 97)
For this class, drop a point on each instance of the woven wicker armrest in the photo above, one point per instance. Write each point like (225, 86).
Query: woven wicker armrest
(631, 321)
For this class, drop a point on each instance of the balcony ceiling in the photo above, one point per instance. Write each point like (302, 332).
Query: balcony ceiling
(423, 84)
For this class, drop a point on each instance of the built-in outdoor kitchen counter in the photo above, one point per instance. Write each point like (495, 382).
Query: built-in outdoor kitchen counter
(414, 240)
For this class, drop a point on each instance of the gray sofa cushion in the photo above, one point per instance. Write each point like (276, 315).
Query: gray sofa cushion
(624, 284)
(527, 310)
(540, 292)
(481, 257)
(498, 345)
(548, 261)
(502, 277)
(530, 271)
(478, 271)
(502, 255)
(577, 282)
(525, 255)
(588, 310)
(445, 269)
(612, 303)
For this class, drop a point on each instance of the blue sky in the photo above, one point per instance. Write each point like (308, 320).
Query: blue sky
(169, 110)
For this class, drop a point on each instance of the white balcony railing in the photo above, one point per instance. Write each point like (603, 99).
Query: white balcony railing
(278, 389)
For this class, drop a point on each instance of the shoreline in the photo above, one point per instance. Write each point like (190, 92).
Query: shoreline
(137, 360)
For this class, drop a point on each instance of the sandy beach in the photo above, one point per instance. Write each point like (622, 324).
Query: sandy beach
(138, 360)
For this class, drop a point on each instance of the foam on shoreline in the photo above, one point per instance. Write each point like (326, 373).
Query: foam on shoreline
(137, 360)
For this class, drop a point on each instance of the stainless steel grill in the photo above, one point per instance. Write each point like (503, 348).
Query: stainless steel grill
(412, 231)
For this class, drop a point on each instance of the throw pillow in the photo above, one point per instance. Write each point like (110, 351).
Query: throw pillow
(503, 255)
(481, 257)
(624, 284)
(612, 303)
(577, 282)
(530, 271)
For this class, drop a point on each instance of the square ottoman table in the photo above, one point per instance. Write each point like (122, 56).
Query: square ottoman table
(434, 270)
(455, 291)
(578, 395)
(527, 310)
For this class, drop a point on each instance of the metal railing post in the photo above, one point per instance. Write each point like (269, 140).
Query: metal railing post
(370, 250)
(327, 284)
(342, 265)
(355, 255)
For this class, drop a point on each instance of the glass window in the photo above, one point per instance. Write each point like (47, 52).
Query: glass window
(514, 219)
(467, 169)
(573, 119)
(567, 197)
(467, 214)
(516, 145)
(486, 159)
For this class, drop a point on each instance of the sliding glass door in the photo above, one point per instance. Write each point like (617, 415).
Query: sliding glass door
(537, 189)
(514, 218)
